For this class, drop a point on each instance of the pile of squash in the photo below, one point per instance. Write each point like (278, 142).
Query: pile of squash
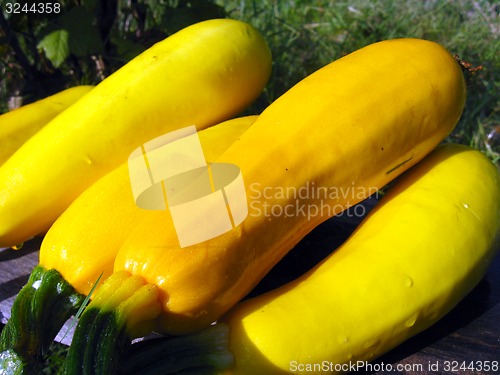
(373, 117)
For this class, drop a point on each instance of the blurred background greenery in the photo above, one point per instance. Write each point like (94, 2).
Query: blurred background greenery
(87, 40)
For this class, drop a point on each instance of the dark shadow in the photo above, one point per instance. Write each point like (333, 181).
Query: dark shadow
(29, 247)
(314, 247)
(12, 287)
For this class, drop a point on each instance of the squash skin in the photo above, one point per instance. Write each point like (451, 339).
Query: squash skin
(20, 124)
(329, 130)
(202, 75)
(422, 249)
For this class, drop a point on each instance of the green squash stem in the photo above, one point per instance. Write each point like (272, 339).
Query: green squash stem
(39, 311)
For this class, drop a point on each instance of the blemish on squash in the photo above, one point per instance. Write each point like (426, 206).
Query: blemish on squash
(399, 165)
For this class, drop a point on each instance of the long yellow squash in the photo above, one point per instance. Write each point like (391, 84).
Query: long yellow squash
(422, 249)
(20, 124)
(326, 144)
(80, 247)
(201, 75)
(349, 128)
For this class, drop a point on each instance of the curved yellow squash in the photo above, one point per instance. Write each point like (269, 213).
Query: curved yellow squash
(202, 75)
(329, 142)
(422, 249)
(20, 124)
(83, 242)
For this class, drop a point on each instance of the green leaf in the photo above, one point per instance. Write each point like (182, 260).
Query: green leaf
(55, 46)
(127, 49)
(84, 39)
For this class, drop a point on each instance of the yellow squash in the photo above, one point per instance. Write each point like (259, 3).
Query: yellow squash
(326, 144)
(423, 248)
(20, 124)
(80, 247)
(201, 75)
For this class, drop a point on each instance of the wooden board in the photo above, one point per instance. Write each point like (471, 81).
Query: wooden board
(15, 268)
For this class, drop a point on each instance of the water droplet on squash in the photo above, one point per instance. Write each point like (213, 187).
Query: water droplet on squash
(18, 246)
(408, 282)
(88, 160)
(411, 322)
(343, 339)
